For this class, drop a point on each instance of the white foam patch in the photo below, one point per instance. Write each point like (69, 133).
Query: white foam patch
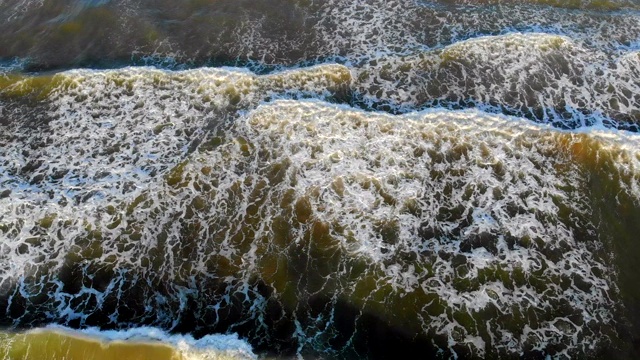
(407, 196)
(374, 29)
(9, 66)
(13, 10)
(374, 158)
(110, 134)
(595, 5)
(125, 126)
(547, 78)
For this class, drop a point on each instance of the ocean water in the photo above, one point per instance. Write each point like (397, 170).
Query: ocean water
(332, 179)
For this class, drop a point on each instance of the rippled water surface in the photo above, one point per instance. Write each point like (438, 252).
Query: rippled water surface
(206, 179)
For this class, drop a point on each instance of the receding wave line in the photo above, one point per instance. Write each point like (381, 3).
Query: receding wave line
(546, 78)
(275, 33)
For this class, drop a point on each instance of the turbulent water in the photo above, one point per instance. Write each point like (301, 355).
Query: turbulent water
(320, 179)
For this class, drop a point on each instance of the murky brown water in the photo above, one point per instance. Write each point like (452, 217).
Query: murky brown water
(456, 178)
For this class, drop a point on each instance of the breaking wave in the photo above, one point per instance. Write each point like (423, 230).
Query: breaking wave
(332, 178)
(475, 231)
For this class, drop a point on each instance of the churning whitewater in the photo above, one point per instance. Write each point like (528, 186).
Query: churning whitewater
(336, 179)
